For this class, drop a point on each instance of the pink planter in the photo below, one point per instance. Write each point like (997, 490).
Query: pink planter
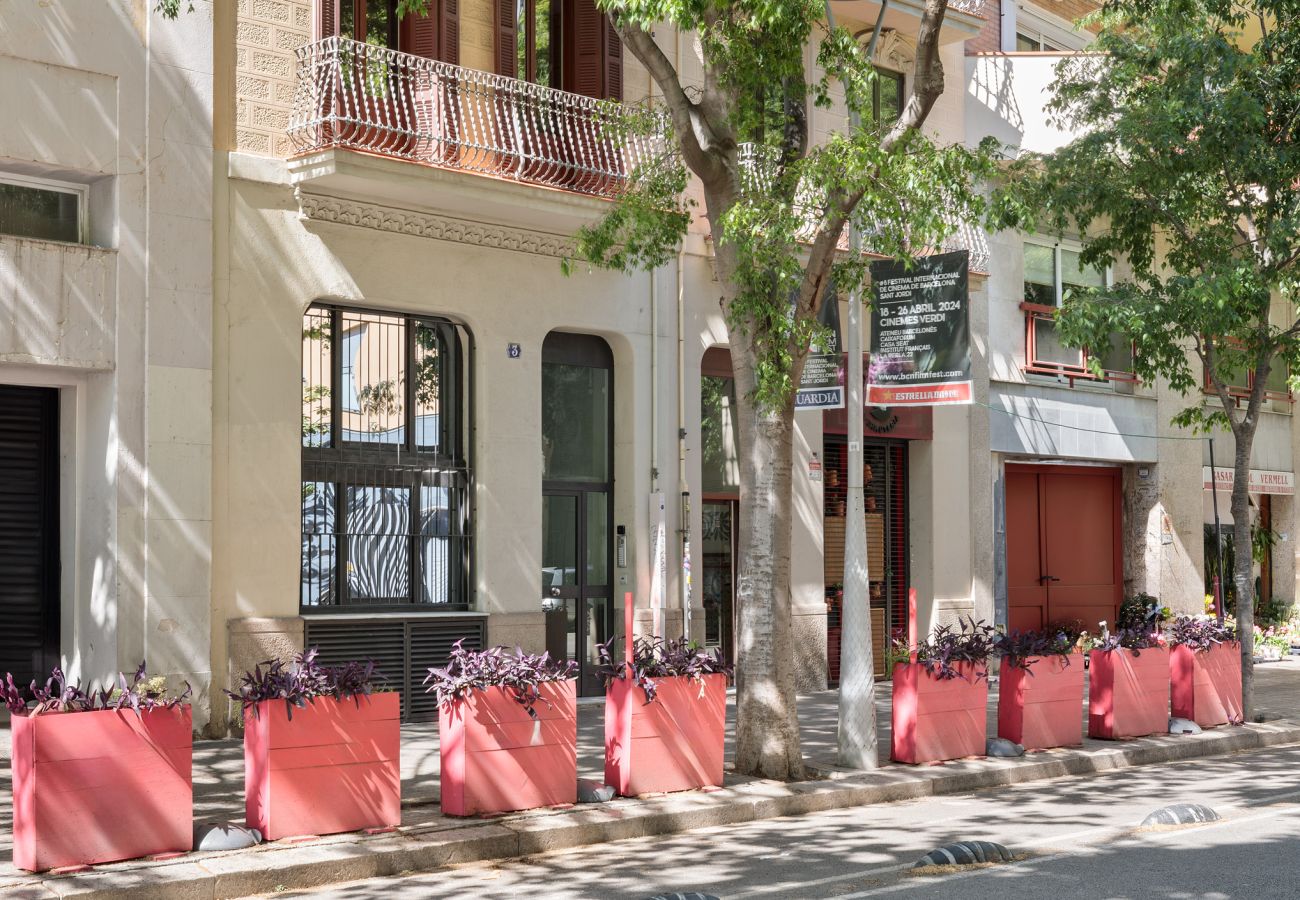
(1128, 696)
(672, 744)
(1043, 707)
(496, 758)
(95, 787)
(333, 767)
(935, 719)
(1205, 686)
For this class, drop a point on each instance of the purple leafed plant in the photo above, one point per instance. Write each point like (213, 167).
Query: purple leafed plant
(972, 642)
(1199, 632)
(1134, 640)
(140, 694)
(657, 658)
(302, 680)
(519, 673)
(1021, 648)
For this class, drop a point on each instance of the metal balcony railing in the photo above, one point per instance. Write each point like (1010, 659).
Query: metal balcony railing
(377, 100)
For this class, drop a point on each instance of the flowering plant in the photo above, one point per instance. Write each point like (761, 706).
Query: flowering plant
(657, 658)
(1199, 632)
(140, 694)
(971, 642)
(520, 674)
(302, 680)
(1271, 643)
(1132, 639)
(1021, 648)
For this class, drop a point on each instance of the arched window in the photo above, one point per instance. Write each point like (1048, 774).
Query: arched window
(385, 507)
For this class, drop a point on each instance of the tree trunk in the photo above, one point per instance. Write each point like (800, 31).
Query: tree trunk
(1243, 558)
(767, 724)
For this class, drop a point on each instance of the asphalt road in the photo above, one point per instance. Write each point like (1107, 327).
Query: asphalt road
(1078, 838)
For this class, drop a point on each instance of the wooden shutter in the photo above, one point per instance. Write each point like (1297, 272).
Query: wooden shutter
(327, 18)
(596, 68)
(433, 36)
(507, 36)
(588, 57)
(419, 34)
(449, 31)
(613, 61)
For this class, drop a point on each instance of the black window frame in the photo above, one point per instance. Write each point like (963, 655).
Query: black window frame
(402, 466)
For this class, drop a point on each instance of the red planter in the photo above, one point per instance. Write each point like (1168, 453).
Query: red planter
(95, 787)
(1128, 696)
(672, 744)
(496, 758)
(1205, 686)
(1043, 707)
(333, 767)
(935, 719)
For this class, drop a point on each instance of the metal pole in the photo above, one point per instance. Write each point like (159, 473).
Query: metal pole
(857, 701)
(1218, 537)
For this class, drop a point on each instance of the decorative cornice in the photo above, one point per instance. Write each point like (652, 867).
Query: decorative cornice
(321, 208)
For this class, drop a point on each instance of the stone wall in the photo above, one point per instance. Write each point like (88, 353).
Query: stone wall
(267, 33)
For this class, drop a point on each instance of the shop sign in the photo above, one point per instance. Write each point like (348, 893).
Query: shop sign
(1261, 481)
(822, 383)
(920, 332)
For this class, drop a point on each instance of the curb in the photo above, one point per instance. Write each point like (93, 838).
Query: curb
(330, 860)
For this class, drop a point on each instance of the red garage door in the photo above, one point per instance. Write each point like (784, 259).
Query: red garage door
(1063, 545)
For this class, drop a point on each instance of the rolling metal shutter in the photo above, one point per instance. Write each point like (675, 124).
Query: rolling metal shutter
(29, 532)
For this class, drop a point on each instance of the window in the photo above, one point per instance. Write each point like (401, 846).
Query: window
(385, 507)
(369, 21)
(565, 44)
(42, 209)
(1051, 272)
(537, 42)
(1240, 380)
(1034, 43)
(376, 22)
(887, 97)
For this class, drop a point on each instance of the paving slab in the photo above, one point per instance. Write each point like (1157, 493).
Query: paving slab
(428, 840)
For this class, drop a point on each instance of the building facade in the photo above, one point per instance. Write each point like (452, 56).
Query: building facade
(105, 341)
(313, 372)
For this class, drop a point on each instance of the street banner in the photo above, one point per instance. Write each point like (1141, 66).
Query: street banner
(822, 384)
(920, 332)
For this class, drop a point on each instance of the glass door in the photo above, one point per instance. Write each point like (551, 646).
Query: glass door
(577, 526)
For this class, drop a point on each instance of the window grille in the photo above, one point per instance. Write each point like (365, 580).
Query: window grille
(385, 481)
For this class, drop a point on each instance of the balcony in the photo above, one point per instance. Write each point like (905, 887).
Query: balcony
(378, 101)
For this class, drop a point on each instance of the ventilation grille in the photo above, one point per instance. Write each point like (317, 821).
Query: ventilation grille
(402, 649)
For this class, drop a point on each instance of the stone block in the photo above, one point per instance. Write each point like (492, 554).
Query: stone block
(273, 10)
(253, 33)
(251, 87)
(290, 40)
(278, 64)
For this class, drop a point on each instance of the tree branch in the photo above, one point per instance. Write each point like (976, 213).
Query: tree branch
(694, 135)
(927, 76)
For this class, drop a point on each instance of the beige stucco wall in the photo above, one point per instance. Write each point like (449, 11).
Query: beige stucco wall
(115, 98)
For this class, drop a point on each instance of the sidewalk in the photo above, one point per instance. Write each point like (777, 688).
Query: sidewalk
(429, 840)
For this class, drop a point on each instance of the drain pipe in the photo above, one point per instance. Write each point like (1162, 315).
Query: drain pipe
(682, 486)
